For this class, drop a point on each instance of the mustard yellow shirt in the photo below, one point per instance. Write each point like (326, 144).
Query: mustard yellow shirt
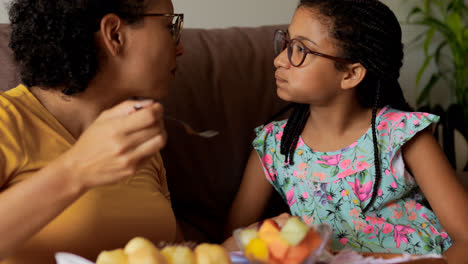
(104, 217)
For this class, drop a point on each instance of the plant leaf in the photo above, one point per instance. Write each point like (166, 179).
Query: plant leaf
(456, 25)
(423, 68)
(414, 11)
(427, 89)
(427, 42)
(438, 51)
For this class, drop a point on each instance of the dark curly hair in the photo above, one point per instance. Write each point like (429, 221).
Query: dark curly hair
(53, 41)
(366, 31)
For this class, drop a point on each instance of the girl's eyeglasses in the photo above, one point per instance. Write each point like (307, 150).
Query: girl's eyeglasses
(176, 26)
(297, 51)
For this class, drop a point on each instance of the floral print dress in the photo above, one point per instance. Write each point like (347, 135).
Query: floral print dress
(334, 187)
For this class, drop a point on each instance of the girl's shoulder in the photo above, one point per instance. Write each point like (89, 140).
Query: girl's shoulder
(269, 135)
(396, 127)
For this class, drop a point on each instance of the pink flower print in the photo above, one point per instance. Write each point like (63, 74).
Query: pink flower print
(330, 160)
(270, 174)
(283, 125)
(330, 198)
(320, 175)
(359, 226)
(279, 135)
(344, 193)
(393, 116)
(394, 185)
(401, 125)
(401, 234)
(343, 240)
(444, 235)
(303, 166)
(415, 122)
(410, 204)
(355, 212)
(397, 214)
(290, 197)
(379, 192)
(418, 206)
(411, 132)
(423, 215)
(345, 164)
(383, 125)
(433, 230)
(353, 145)
(346, 173)
(298, 175)
(268, 159)
(362, 166)
(369, 229)
(305, 195)
(363, 192)
(387, 228)
(387, 172)
(413, 216)
(268, 128)
(375, 220)
(300, 142)
(307, 219)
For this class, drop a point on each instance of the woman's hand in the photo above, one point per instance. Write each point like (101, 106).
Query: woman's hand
(117, 143)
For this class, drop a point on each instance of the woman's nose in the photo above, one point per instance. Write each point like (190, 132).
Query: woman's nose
(180, 49)
(281, 61)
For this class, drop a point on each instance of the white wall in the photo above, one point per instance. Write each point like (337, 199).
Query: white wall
(227, 13)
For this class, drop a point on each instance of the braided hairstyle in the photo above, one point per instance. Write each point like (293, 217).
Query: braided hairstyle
(53, 41)
(366, 31)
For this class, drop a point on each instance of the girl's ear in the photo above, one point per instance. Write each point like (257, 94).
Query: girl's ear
(353, 75)
(111, 34)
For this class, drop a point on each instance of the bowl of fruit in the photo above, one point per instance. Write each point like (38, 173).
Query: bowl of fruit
(294, 243)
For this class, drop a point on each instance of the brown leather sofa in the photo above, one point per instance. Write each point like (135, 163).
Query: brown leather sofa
(225, 81)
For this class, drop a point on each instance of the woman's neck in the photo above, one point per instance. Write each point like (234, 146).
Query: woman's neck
(75, 112)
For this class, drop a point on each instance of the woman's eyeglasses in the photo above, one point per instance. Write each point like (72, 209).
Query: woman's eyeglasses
(177, 24)
(297, 51)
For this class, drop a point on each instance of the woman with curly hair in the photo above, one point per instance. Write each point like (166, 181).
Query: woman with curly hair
(80, 169)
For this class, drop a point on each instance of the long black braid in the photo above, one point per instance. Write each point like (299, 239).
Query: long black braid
(367, 32)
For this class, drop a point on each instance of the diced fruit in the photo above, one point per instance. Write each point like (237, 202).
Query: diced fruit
(257, 250)
(270, 233)
(246, 235)
(307, 246)
(178, 255)
(211, 254)
(294, 231)
(117, 256)
(142, 251)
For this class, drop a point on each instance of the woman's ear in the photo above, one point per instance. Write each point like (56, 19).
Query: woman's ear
(353, 75)
(111, 34)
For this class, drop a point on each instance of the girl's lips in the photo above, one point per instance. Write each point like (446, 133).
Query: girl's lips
(279, 79)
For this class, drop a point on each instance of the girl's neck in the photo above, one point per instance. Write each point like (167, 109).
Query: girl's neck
(335, 126)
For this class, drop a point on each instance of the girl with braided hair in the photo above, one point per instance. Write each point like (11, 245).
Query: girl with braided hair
(352, 153)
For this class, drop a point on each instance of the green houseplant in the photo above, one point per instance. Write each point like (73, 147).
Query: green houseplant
(446, 46)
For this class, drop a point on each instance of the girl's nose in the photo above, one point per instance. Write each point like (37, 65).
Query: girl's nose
(179, 49)
(281, 61)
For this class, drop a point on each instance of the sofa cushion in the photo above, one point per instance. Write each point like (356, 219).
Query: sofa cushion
(9, 77)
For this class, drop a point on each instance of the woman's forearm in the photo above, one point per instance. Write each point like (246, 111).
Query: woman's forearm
(31, 204)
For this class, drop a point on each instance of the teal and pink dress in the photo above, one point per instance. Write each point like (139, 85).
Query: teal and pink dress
(334, 187)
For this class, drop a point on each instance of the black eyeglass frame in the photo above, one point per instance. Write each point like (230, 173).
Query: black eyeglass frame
(287, 44)
(176, 27)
